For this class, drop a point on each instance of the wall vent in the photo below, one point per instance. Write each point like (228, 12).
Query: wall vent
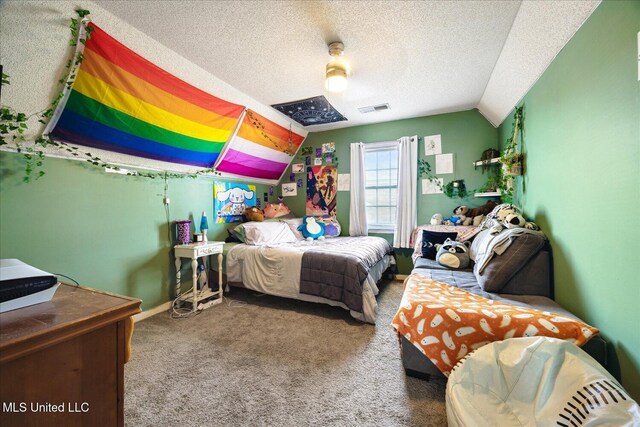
(374, 108)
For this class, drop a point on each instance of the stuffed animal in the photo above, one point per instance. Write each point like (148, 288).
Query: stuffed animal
(254, 214)
(497, 215)
(453, 254)
(436, 219)
(530, 225)
(477, 220)
(311, 229)
(276, 210)
(514, 220)
(455, 220)
(507, 218)
(471, 214)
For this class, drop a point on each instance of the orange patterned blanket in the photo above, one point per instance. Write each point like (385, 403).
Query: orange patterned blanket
(445, 323)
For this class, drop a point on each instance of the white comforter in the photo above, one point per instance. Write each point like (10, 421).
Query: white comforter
(275, 270)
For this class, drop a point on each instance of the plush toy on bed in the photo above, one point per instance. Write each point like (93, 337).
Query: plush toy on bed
(508, 218)
(453, 254)
(276, 210)
(311, 229)
(254, 214)
(454, 220)
(436, 219)
(474, 215)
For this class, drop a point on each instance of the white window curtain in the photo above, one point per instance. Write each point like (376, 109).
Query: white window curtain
(407, 212)
(357, 212)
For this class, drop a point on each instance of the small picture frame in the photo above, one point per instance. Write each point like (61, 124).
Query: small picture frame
(328, 147)
(317, 161)
(297, 167)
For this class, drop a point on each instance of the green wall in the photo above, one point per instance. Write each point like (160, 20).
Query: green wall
(582, 145)
(106, 231)
(466, 134)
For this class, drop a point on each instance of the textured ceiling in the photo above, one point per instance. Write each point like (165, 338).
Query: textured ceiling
(421, 57)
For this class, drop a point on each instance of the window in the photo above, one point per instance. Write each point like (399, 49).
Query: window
(381, 185)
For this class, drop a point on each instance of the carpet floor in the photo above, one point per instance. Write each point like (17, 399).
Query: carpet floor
(267, 361)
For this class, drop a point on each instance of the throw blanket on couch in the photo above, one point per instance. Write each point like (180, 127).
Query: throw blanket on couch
(445, 323)
(486, 245)
(337, 271)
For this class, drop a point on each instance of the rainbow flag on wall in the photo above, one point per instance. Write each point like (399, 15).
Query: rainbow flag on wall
(122, 102)
(261, 149)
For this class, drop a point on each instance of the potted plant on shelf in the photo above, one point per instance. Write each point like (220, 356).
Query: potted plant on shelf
(512, 164)
(487, 156)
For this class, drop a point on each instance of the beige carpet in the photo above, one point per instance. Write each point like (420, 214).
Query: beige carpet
(275, 362)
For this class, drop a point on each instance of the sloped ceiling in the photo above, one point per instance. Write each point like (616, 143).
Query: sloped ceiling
(421, 57)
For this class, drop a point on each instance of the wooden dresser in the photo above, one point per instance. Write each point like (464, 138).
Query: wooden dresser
(62, 362)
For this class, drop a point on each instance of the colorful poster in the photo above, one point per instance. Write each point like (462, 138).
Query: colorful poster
(231, 199)
(321, 191)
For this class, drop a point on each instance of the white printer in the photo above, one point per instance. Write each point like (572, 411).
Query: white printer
(22, 285)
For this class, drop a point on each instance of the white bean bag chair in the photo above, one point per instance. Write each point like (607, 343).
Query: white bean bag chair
(536, 381)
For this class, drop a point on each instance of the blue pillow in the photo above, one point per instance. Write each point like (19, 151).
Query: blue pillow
(430, 239)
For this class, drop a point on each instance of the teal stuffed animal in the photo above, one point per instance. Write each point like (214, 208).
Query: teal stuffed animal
(311, 229)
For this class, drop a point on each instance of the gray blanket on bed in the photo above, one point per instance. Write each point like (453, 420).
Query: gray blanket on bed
(338, 272)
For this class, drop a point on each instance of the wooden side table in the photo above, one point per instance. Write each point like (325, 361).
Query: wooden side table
(195, 251)
(62, 361)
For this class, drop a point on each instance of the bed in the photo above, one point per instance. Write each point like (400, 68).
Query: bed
(339, 271)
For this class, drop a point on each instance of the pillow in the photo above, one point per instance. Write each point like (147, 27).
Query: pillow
(501, 268)
(331, 226)
(293, 224)
(430, 239)
(238, 232)
(267, 233)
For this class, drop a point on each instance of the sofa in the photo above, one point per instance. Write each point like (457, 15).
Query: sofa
(521, 275)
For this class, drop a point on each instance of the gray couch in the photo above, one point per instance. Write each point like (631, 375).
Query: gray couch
(522, 275)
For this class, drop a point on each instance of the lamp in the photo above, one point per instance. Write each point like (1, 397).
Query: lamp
(204, 226)
(336, 72)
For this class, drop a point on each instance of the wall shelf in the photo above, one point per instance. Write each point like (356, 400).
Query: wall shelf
(491, 161)
(489, 194)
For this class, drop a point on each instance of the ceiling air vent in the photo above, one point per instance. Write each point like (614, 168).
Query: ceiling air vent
(374, 108)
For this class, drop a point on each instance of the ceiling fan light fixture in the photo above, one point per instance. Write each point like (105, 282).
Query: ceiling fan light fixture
(336, 71)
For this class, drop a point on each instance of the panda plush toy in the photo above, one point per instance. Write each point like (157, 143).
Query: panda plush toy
(311, 229)
(453, 254)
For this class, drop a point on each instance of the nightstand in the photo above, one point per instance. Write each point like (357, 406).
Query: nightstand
(195, 251)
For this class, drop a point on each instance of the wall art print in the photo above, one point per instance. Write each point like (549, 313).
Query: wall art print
(231, 199)
(321, 191)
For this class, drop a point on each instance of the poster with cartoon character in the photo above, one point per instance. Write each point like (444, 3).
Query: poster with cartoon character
(321, 191)
(231, 199)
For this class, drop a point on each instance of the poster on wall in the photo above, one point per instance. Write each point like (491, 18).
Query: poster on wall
(321, 191)
(231, 199)
(431, 187)
(432, 145)
(328, 147)
(444, 163)
(289, 189)
(344, 182)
